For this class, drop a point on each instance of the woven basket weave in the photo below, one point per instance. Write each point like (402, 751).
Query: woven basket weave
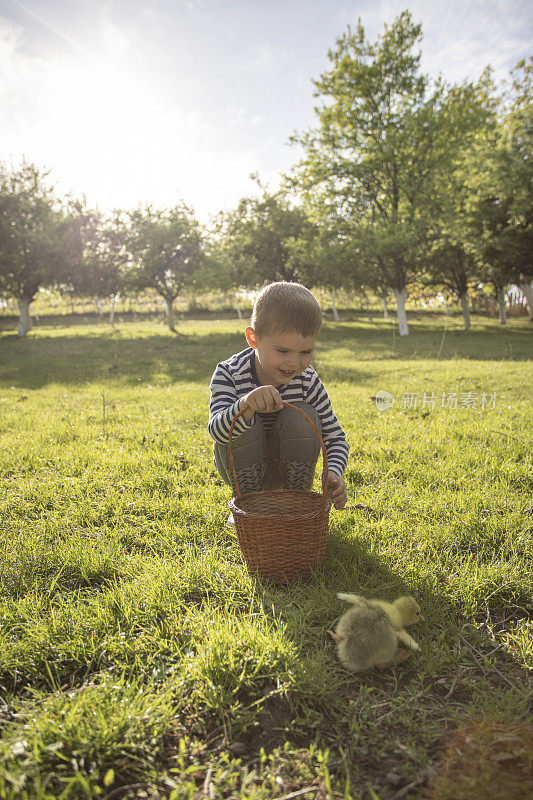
(282, 534)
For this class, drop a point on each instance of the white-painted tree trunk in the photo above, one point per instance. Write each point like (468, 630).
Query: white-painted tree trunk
(24, 316)
(333, 306)
(465, 310)
(502, 308)
(401, 297)
(384, 307)
(527, 288)
(112, 310)
(169, 311)
(237, 306)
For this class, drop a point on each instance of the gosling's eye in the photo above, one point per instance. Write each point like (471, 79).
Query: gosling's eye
(418, 613)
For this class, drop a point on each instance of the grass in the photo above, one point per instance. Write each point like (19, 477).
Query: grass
(137, 656)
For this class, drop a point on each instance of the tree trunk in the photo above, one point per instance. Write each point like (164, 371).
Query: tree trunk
(24, 316)
(527, 288)
(333, 306)
(169, 310)
(502, 307)
(466, 311)
(384, 307)
(237, 306)
(112, 310)
(401, 296)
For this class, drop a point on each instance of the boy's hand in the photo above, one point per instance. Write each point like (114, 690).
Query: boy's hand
(337, 490)
(264, 398)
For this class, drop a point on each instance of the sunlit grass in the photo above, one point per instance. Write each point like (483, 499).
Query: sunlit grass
(135, 649)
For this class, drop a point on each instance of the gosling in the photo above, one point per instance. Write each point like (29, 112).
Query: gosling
(370, 633)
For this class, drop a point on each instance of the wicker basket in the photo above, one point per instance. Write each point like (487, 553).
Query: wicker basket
(282, 534)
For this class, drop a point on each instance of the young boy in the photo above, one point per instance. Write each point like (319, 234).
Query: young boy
(275, 447)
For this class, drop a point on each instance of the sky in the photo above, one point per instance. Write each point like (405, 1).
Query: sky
(155, 101)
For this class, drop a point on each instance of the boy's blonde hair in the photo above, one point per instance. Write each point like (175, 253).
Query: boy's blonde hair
(286, 307)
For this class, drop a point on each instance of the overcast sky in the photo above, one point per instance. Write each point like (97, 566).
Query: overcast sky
(133, 101)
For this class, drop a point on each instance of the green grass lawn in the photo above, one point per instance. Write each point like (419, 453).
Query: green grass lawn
(137, 656)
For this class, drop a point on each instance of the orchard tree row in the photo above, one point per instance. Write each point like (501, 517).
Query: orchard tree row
(402, 181)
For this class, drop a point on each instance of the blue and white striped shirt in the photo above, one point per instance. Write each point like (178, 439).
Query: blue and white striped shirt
(235, 377)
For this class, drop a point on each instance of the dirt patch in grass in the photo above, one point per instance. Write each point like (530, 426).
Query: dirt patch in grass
(271, 726)
(487, 760)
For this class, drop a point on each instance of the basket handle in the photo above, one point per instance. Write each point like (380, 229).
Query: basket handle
(311, 423)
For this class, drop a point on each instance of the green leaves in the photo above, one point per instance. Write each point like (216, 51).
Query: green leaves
(256, 243)
(38, 238)
(388, 168)
(165, 249)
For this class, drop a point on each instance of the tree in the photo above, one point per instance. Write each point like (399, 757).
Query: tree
(329, 263)
(448, 258)
(259, 236)
(102, 270)
(165, 249)
(226, 269)
(501, 183)
(40, 241)
(383, 136)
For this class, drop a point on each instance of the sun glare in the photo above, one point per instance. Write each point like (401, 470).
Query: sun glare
(100, 127)
(109, 134)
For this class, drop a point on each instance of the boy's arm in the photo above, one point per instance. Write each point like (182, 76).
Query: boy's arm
(334, 440)
(224, 406)
(333, 435)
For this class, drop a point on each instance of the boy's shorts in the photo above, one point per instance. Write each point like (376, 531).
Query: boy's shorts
(286, 455)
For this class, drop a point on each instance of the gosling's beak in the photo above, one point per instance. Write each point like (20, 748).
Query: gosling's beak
(422, 619)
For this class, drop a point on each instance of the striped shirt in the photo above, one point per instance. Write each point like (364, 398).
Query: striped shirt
(235, 377)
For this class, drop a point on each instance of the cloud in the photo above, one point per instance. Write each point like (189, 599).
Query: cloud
(10, 36)
(66, 38)
(107, 134)
(114, 36)
(460, 37)
(266, 59)
(194, 5)
(18, 76)
(183, 99)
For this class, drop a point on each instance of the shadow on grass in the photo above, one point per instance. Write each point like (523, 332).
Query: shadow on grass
(350, 567)
(456, 656)
(428, 339)
(73, 358)
(77, 360)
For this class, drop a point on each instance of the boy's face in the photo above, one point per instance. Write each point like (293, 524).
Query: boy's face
(280, 356)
